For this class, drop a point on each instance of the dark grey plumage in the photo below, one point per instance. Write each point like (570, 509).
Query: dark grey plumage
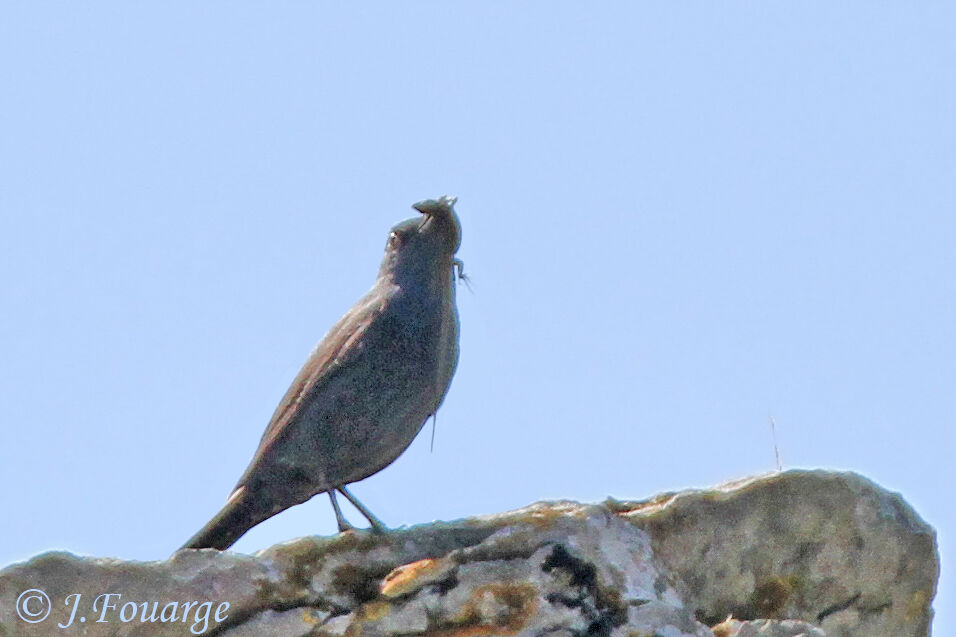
(368, 387)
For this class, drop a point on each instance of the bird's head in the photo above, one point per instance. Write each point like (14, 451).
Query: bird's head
(424, 245)
(440, 220)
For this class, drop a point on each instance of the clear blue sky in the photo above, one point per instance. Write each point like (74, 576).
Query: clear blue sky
(680, 221)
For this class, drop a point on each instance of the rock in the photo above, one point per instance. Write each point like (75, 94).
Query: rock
(795, 553)
(767, 628)
(833, 549)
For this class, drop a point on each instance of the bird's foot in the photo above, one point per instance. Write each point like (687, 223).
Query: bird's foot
(339, 518)
(345, 527)
(377, 525)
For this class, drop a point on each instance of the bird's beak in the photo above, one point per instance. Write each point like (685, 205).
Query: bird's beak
(432, 207)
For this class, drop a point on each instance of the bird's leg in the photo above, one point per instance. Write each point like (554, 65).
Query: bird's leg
(342, 522)
(377, 525)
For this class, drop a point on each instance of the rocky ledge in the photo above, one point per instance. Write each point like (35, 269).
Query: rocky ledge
(796, 553)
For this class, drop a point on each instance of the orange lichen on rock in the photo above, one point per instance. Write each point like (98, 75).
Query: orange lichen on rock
(499, 608)
(409, 578)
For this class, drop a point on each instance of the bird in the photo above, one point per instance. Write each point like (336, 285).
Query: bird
(367, 388)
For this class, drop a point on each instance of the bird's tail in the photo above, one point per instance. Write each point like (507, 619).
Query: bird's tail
(238, 516)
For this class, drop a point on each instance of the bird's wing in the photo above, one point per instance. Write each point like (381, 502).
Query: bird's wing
(341, 345)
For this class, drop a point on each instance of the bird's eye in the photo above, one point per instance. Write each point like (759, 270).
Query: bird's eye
(394, 240)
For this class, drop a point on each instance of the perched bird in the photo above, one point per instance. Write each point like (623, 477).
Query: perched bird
(367, 388)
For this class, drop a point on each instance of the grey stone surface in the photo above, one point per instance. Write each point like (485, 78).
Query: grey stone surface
(767, 628)
(797, 553)
(830, 548)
